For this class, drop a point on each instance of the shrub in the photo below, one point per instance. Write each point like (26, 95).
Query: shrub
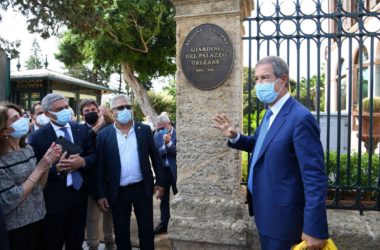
(244, 166)
(367, 103)
(348, 175)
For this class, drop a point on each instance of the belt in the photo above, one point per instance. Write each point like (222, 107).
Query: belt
(131, 185)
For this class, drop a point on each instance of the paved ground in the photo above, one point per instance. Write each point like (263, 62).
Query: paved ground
(161, 241)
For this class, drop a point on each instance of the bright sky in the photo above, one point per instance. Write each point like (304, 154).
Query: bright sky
(13, 27)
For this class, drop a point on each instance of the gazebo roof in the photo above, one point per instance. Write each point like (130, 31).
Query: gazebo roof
(52, 75)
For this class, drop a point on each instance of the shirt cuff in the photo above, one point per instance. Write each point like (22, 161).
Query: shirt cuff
(234, 140)
(169, 144)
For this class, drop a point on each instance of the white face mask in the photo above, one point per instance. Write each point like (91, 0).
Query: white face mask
(42, 119)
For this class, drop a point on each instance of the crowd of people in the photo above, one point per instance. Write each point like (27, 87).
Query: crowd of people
(58, 176)
(56, 180)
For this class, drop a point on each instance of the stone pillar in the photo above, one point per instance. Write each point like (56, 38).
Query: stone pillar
(209, 210)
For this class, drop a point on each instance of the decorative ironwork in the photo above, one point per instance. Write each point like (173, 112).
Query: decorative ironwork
(29, 84)
(333, 50)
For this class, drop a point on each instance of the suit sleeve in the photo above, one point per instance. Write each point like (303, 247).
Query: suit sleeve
(309, 153)
(39, 152)
(172, 150)
(162, 148)
(159, 142)
(156, 160)
(100, 181)
(245, 143)
(88, 148)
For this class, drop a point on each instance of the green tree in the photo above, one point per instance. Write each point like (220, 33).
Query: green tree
(161, 101)
(308, 95)
(98, 76)
(11, 48)
(137, 34)
(35, 59)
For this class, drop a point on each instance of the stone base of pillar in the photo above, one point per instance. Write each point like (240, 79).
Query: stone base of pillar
(212, 224)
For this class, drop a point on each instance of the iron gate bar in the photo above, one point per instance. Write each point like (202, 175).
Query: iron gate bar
(321, 41)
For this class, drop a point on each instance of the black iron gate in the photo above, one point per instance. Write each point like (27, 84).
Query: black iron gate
(333, 51)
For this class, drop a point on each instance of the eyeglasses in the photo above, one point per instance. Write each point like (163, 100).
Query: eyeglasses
(121, 108)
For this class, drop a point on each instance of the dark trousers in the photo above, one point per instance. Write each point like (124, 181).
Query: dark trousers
(165, 205)
(268, 243)
(27, 237)
(67, 227)
(133, 195)
(4, 243)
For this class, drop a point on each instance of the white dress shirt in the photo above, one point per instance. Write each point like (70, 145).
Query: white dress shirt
(129, 157)
(275, 110)
(59, 132)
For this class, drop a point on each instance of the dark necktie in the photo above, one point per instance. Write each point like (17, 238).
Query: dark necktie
(259, 142)
(76, 176)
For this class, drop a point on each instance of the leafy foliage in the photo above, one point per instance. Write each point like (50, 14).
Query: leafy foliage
(375, 104)
(349, 175)
(311, 102)
(100, 76)
(141, 33)
(11, 48)
(161, 102)
(137, 34)
(244, 166)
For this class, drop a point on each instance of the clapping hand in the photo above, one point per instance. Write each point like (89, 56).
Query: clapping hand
(99, 123)
(53, 153)
(167, 138)
(72, 163)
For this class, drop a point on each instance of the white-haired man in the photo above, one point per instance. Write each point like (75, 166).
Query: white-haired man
(125, 152)
(165, 139)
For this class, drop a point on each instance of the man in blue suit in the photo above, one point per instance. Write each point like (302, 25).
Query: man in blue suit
(65, 192)
(165, 139)
(286, 180)
(125, 152)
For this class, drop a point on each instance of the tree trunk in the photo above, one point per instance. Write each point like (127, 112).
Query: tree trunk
(140, 93)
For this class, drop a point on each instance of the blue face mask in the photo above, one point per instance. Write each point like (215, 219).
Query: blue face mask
(124, 116)
(163, 131)
(63, 116)
(266, 93)
(21, 127)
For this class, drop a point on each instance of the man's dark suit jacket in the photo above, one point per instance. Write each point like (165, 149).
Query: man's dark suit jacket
(108, 162)
(41, 140)
(289, 182)
(91, 173)
(168, 153)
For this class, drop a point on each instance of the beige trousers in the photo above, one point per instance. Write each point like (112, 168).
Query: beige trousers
(92, 225)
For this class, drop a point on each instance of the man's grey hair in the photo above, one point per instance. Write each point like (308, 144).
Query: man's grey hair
(117, 97)
(47, 102)
(162, 118)
(280, 67)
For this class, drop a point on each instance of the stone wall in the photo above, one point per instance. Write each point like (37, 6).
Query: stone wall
(209, 211)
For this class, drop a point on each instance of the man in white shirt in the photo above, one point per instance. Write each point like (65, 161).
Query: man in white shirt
(126, 154)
